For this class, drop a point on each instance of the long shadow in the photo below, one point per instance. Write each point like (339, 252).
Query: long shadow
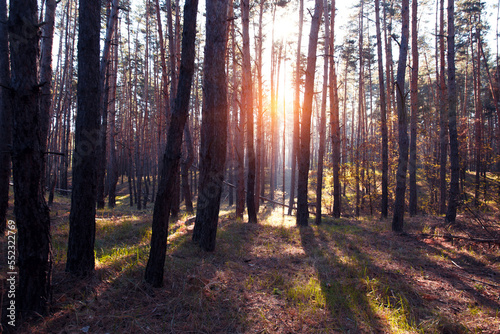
(196, 296)
(347, 303)
(396, 279)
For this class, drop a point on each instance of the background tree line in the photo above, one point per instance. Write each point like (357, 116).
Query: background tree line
(98, 94)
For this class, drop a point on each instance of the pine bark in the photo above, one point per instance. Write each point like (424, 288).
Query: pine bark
(414, 111)
(5, 116)
(443, 128)
(296, 113)
(213, 128)
(247, 106)
(29, 142)
(383, 117)
(322, 125)
(87, 134)
(399, 205)
(171, 159)
(452, 119)
(305, 135)
(334, 119)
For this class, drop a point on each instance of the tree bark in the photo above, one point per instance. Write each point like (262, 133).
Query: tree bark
(305, 135)
(443, 128)
(399, 205)
(5, 117)
(414, 110)
(322, 125)
(383, 117)
(247, 106)
(104, 99)
(452, 116)
(87, 134)
(29, 141)
(296, 112)
(213, 128)
(171, 159)
(334, 120)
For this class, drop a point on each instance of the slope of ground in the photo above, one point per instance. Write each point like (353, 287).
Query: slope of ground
(345, 276)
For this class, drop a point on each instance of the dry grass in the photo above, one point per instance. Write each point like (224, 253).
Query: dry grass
(345, 276)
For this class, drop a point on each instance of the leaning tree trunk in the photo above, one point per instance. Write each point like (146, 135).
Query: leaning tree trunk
(171, 159)
(452, 116)
(399, 205)
(5, 116)
(83, 197)
(305, 138)
(29, 141)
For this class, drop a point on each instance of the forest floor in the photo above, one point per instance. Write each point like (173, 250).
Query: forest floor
(345, 276)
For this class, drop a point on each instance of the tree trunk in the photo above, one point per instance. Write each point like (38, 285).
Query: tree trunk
(104, 90)
(170, 167)
(414, 110)
(452, 116)
(83, 197)
(296, 112)
(213, 128)
(399, 205)
(334, 120)
(112, 173)
(239, 131)
(305, 138)
(186, 164)
(5, 116)
(443, 128)
(322, 125)
(383, 117)
(247, 106)
(29, 142)
(478, 120)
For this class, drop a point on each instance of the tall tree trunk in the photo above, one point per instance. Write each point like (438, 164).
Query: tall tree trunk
(239, 133)
(452, 116)
(334, 119)
(186, 164)
(170, 167)
(247, 106)
(46, 72)
(260, 156)
(478, 119)
(296, 112)
(29, 142)
(443, 128)
(104, 99)
(305, 135)
(399, 205)
(322, 125)
(414, 110)
(383, 117)
(5, 116)
(83, 197)
(112, 173)
(213, 128)
(361, 97)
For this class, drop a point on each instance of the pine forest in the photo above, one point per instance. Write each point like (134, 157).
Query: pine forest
(249, 166)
